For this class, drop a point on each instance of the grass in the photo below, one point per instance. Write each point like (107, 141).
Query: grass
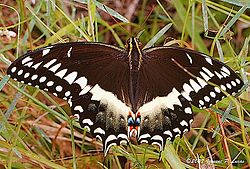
(36, 130)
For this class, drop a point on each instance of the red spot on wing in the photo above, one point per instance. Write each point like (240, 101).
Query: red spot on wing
(138, 114)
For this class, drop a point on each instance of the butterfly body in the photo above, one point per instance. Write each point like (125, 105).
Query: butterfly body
(121, 93)
(135, 61)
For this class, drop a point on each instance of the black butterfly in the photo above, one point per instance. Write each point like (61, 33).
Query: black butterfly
(122, 93)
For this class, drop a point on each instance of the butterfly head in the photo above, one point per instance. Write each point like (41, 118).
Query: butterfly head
(134, 122)
(132, 42)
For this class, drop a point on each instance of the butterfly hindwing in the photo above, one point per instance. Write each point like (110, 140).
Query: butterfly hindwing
(165, 118)
(103, 115)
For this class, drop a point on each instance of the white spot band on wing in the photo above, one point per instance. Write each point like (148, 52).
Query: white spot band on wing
(209, 60)
(70, 78)
(78, 108)
(109, 139)
(82, 81)
(188, 110)
(46, 51)
(186, 91)
(55, 67)
(29, 64)
(177, 130)
(61, 73)
(158, 138)
(204, 76)
(189, 58)
(218, 75)
(99, 131)
(87, 121)
(47, 65)
(168, 132)
(226, 70)
(194, 85)
(69, 52)
(162, 102)
(209, 73)
(144, 136)
(123, 136)
(27, 59)
(37, 65)
(183, 123)
(201, 82)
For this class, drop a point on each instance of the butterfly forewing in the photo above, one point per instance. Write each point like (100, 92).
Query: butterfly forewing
(190, 73)
(72, 66)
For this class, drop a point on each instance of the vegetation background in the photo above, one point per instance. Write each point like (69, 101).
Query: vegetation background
(36, 130)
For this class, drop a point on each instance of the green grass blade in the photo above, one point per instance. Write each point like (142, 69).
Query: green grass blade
(231, 117)
(172, 158)
(4, 81)
(181, 13)
(243, 55)
(166, 13)
(158, 36)
(92, 18)
(233, 20)
(76, 27)
(238, 2)
(220, 52)
(224, 117)
(106, 9)
(10, 110)
(204, 15)
(5, 60)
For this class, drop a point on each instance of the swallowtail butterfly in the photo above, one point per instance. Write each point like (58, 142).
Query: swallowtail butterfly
(121, 93)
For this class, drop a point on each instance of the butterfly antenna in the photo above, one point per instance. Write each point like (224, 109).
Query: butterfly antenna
(140, 33)
(116, 21)
(153, 7)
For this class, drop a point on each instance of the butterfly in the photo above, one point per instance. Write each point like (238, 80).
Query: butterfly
(121, 93)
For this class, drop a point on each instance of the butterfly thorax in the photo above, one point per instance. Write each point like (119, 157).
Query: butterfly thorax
(135, 61)
(134, 54)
